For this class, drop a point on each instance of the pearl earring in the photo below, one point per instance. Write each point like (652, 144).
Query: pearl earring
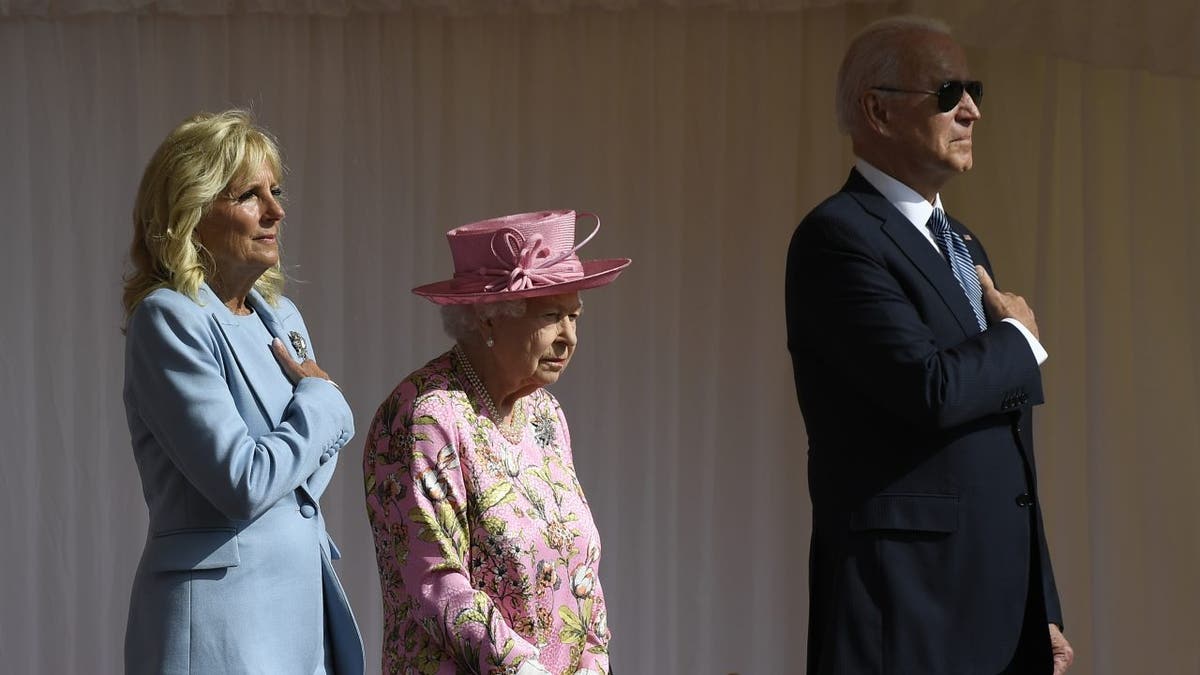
(490, 342)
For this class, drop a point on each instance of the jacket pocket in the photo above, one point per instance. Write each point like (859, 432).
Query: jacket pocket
(928, 512)
(199, 549)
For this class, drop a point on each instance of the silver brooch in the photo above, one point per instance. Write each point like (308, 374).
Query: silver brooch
(299, 345)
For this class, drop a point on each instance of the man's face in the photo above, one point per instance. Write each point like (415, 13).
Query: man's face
(934, 145)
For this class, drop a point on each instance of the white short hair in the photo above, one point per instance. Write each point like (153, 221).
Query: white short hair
(459, 321)
(873, 59)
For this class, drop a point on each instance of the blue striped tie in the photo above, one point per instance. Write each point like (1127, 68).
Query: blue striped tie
(959, 257)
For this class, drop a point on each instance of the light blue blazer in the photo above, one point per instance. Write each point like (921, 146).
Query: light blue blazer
(236, 574)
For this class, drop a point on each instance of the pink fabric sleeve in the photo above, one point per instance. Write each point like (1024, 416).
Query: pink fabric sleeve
(435, 573)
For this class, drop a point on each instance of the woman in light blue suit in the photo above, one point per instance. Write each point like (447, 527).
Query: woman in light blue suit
(235, 429)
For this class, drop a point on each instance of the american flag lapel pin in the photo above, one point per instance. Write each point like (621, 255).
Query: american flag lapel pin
(966, 237)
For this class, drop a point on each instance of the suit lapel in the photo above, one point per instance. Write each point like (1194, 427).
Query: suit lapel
(917, 249)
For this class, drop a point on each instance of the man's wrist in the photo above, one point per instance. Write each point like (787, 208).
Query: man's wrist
(1039, 352)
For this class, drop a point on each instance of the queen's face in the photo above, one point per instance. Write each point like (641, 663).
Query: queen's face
(535, 348)
(241, 228)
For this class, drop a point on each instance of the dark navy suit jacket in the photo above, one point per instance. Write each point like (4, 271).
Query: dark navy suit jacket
(927, 533)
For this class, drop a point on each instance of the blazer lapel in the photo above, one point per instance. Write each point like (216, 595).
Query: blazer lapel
(916, 248)
(267, 314)
(275, 325)
(248, 353)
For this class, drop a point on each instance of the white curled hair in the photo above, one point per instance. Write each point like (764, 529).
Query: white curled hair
(872, 60)
(460, 321)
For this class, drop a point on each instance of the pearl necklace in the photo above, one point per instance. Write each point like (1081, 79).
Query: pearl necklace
(475, 382)
(512, 430)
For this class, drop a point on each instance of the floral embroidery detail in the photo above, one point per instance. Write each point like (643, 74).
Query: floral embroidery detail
(512, 462)
(543, 430)
(391, 489)
(433, 485)
(547, 575)
(475, 535)
(601, 625)
(558, 536)
(582, 580)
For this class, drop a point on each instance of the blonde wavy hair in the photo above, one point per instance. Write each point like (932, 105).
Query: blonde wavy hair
(195, 165)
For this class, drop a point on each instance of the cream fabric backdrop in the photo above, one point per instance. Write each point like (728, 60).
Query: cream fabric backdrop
(701, 134)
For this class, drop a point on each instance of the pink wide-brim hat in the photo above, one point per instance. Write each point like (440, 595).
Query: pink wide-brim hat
(519, 256)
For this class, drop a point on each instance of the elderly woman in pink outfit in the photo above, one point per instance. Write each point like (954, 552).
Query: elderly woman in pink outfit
(487, 552)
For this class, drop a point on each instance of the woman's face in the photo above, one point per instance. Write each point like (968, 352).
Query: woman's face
(534, 349)
(241, 227)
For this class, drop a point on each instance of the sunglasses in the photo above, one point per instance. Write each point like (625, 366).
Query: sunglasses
(948, 94)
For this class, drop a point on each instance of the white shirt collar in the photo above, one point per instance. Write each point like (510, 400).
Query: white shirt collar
(905, 199)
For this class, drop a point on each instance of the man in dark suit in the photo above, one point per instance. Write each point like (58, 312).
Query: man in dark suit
(916, 378)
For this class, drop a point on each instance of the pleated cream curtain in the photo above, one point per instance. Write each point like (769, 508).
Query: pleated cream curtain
(700, 132)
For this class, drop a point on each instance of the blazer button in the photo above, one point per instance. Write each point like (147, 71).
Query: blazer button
(308, 510)
(1024, 500)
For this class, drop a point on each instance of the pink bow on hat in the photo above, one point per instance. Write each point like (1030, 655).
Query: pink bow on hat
(519, 256)
(529, 262)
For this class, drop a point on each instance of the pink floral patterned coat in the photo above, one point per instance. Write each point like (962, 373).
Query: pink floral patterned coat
(486, 547)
